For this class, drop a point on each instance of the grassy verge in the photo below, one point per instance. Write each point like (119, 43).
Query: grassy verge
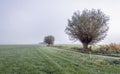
(94, 50)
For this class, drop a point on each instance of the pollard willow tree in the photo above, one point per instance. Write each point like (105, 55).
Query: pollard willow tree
(49, 40)
(89, 27)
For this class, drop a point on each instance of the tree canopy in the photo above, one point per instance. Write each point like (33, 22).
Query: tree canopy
(49, 40)
(88, 27)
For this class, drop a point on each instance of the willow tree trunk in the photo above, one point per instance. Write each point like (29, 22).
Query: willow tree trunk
(85, 46)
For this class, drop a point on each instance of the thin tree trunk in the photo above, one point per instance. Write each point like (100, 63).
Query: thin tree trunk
(85, 46)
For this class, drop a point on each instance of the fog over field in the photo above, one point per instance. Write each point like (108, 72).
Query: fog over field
(28, 21)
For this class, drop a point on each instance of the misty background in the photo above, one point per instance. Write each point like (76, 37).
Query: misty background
(29, 21)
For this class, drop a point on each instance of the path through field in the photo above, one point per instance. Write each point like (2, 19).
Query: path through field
(92, 55)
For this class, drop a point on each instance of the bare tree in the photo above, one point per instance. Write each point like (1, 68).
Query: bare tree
(89, 27)
(49, 40)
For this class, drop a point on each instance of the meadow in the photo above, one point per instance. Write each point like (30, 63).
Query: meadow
(36, 59)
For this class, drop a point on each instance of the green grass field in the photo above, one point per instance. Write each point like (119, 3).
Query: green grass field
(35, 59)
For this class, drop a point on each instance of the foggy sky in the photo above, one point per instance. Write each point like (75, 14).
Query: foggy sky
(28, 21)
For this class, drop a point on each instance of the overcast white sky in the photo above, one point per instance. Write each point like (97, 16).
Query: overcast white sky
(28, 21)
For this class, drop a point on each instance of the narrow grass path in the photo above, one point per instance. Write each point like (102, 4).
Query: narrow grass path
(65, 63)
(92, 55)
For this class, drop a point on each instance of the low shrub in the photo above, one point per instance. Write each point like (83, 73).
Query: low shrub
(110, 50)
(111, 47)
